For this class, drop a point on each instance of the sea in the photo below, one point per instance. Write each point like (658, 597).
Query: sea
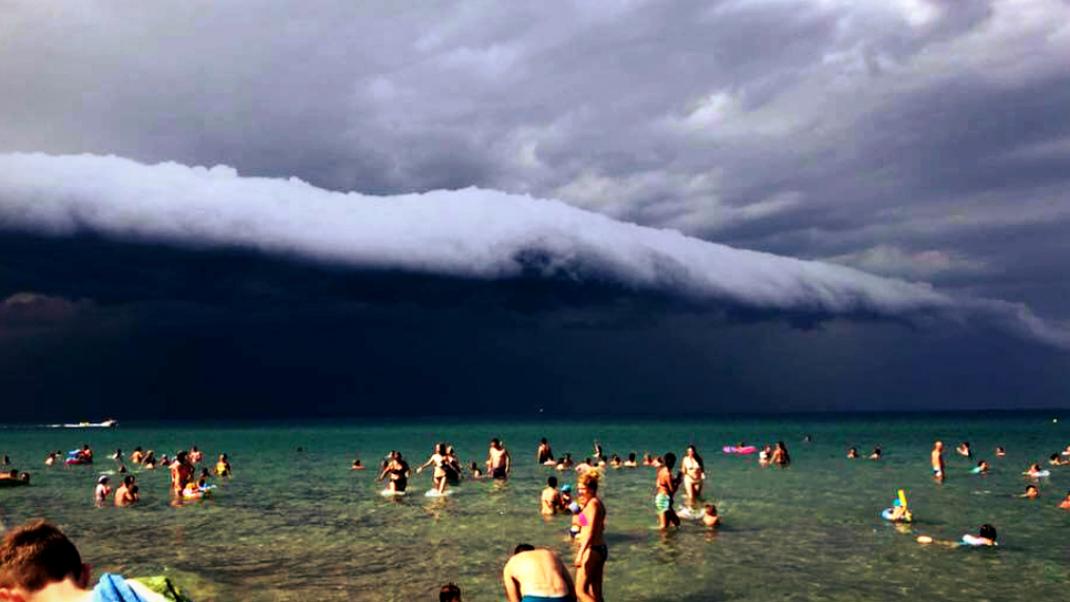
(295, 523)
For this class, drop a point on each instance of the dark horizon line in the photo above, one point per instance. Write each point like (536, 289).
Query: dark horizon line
(482, 417)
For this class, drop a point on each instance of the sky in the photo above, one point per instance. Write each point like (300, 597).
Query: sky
(268, 209)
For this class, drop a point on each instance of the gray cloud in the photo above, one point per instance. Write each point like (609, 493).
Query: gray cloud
(817, 129)
(471, 233)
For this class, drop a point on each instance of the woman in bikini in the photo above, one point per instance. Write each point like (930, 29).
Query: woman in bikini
(592, 553)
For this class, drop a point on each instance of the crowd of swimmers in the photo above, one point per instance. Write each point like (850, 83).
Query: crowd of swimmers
(532, 573)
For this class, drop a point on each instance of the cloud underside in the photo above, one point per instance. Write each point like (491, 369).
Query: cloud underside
(475, 234)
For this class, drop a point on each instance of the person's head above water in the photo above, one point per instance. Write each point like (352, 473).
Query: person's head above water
(496, 443)
(440, 449)
(988, 532)
(1031, 491)
(669, 460)
(181, 457)
(449, 593)
(551, 482)
(35, 555)
(523, 547)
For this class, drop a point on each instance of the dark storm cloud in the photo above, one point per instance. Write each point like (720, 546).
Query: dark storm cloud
(860, 131)
(470, 233)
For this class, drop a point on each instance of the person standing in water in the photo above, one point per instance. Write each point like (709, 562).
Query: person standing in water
(544, 455)
(498, 461)
(694, 473)
(592, 553)
(181, 473)
(936, 458)
(550, 499)
(127, 493)
(666, 485)
(780, 455)
(438, 459)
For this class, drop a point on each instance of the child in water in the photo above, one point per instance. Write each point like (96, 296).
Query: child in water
(710, 518)
(102, 491)
(1031, 492)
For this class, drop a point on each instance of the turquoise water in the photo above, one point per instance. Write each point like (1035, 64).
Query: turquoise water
(300, 525)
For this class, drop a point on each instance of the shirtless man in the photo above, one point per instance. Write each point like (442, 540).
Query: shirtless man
(666, 485)
(498, 460)
(537, 574)
(694, 473)
(195, 455)
(592, 553)
(127, 493)
(550, 501)
(936, 458)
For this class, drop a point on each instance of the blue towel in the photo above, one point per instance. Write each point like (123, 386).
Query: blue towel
(113, 588)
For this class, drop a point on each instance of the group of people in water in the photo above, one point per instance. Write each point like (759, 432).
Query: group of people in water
(186, 483)
(539, 574)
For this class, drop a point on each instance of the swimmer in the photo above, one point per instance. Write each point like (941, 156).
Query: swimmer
(982, 468)
(1031, 492)
(452, 467)
(474, 471)
(122, 469)
(100, 494)
(137, 456)
(875, 454)
(615, 461)
(986, 537)
(1000, 452)
(1034, 471)
(222, 466)
(127, 493)
(1066, 452)
(598, 455)
(564, 463)
(694, 471)
(533, 575)
(498, 461)
(50, 459)
(550, 500)
(15, 477)
(357, 465)
(630, 462)
(710, 517)
(647, 460)
(1065, 504)
(936, 458)
(592, 553)
(852, 453)
(195, 455)
(900, 513)
(544, 455)
(118, 455)
(666, 485)
(963, 449)
(438, 460)
(150, 460)
(780, 455)
(1056, 460)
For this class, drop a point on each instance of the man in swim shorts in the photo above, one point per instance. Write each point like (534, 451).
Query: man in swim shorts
(39, 563)
(498, 460)
(936, 458)
(666, 485)
(537, 575)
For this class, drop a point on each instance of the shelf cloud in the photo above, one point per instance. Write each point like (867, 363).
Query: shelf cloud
(470, 233)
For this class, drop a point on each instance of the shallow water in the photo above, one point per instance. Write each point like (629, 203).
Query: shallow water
(300, 525)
